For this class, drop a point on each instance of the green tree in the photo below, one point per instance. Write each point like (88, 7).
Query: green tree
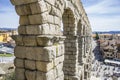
(97, 36)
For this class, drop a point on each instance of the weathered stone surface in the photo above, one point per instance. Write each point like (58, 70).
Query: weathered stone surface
(50, 19)
(47, 54)
(18, 39)
(59, 70)
(29, 64)
(51, 2)
(20, 74)
(49, 6)
(55, 12)
(44, 66)
(20, 2)
(35, 53)
(38, 7)
(38, 18)
(60, 77)
(20, 52)
(54, 29)
(45, 76)
(38, 29)
(19, 63)
(40, 75)
(29, 41)
(24, 20)
(30, 75)
(33, 29)
(57, 21)
(59, 50)
(50, 75)
(22, 30)
(23, 10)
(58, 60)
(46, 29)
(44, 40)
(43, 29)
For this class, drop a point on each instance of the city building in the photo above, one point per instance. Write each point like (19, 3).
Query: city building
(5, 36)
(110, 49)
(107, 36)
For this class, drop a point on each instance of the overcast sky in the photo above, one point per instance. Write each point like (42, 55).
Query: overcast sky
(104, 15)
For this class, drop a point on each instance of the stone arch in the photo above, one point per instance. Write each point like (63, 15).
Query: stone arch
(71, 44)
(68, 22)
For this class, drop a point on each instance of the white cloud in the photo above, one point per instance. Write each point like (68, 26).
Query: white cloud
(105, 6)
(104, 15)
(99, 23)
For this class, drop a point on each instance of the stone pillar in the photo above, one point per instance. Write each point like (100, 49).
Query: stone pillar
(80, 42)
(83, 38)
(80, 54)
(39, 47)
(87, 60)
(86, 39)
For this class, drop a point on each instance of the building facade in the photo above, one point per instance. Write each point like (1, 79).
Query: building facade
(4, 37)
(110, 49)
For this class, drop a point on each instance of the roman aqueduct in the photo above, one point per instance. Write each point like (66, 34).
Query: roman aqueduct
(54, 40)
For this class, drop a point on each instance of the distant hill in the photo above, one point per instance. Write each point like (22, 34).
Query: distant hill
(7, 29)
(107, 32)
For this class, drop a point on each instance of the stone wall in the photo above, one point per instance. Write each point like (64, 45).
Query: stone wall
(43, 51)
